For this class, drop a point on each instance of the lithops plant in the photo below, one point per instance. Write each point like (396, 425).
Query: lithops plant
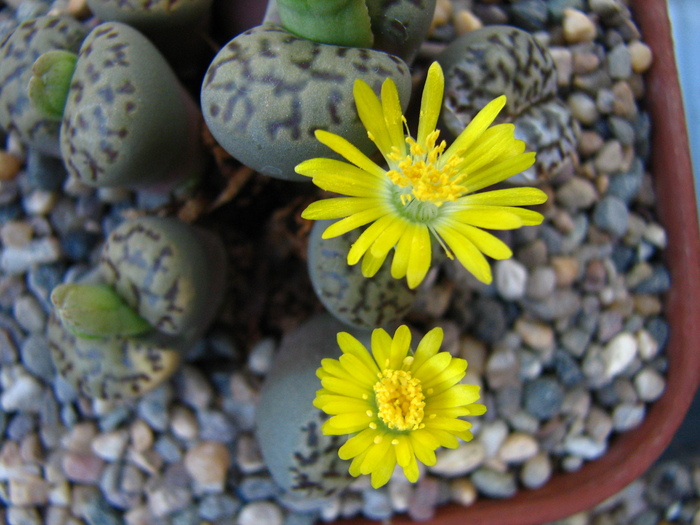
(498, 60)
(156, 290)
(301, 460)
(176, 27)
(267, 91)
(126, 119)
(18, 53)
(358, 301)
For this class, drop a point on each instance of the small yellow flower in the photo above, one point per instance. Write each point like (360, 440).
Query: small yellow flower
(429, 188)
(401, 406)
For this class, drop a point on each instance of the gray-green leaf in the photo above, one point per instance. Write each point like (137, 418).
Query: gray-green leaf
(51, 77)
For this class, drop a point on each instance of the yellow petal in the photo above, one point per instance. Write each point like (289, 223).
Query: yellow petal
(490, 217)
(350, 345)
(404, 451)
(422, 442)
(343, 386)
(393, 116)
(354, 468)
(427, 347)
(476, 409)
(485, 242)
(433, 367)
(355, 220)
(420, 257)
(348, 423)
(445, 438)
(431, 102)
(448, 424)
(370, 111)
(400, 346)
(381, 347)
(507, 197)
(389, 237)
(467, 254)
(367, 237)
(411, 470)
(372, 264)
(383, 471)
(498, 171)
(338, 404)
(458, 395)
(343, 178)
(495, 144)
(473, 131)
(337, 369)
(399, 266)
(357, 444)
(456, 367)
(338, 207)
(380, 452)
(359, 368)
(349, 151)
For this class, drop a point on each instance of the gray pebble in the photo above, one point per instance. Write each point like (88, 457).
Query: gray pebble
(585, 447)
(510, 277)
(530, 15)
(216, 426)
(168, 448)
(502, 368)
(153, 407)
(536, 471)
(29, 313)
(668, 482)
(424, 500)
(649, 384)
(557, 7)
(627, 416)
(41, 280)
(495, 484)
(261, 356)
(577, 194)
(36, 357)
(658, 283)
(543, 397)
(218, 506)
(257, 488)
(561, 304)
(583, 108)
(19, 259)
(567, 369)
(622, 130)
(97, 511)
(619, 62)
(21, 424)
(376, 504)
(611, 215)
(22, 391)
(541, 283)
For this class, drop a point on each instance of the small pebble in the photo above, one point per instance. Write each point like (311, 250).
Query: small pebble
(618, 353)
(518, 448)
(641, 56)
(208, 463)
(536, 471)
(461, 460)
(183, 423)
(9, 166)
(261, 356)
(649, 384)
(627, 416)
(510, 278)
(620, 62)
(495, 484)
(543, 397)
(563, 61)
(539, 336)
(110, 446)
(82, 467)
(578, 27)
(465, 21)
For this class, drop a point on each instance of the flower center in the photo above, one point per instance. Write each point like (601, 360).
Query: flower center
(400, 400)
(419, 174)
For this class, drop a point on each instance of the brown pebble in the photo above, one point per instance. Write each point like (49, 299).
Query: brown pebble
(208, 463)
(9, 166)
(578, 27)
(641, 56)
(566, 270)
(465, 22)
(647, 305)
(585, 63)
(82, 468)
(589, 143)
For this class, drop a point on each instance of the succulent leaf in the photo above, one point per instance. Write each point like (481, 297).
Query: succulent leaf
(337, 22)
(93, 310)
(48, 87)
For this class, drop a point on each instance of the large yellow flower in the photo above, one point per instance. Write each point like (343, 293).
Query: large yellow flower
(401, 406)
(429, 188)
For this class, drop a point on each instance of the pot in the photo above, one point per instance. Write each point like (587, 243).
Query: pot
(631, 453)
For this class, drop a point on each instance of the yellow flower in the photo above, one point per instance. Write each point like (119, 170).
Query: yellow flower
(429, 188)
(401, 406)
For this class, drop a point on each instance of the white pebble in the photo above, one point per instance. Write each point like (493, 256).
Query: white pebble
(40, 202)
(260, 513)
(111, 445)
(459, 461)
(22, 393)
(518, 448)
(511, 279)
(492, 436)
(649, 384)
(261, 356)
(16, 233)
(655, 234)
(16, 260)
(627, 416)
(647, 345)
(585, 447)
(619, 353)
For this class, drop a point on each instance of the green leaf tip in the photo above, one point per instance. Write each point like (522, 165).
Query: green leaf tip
(48, 87)
(95, 310)
(337, 22)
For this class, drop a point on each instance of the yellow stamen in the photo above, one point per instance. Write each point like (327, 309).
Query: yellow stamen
(419, 172)
(400, 400)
